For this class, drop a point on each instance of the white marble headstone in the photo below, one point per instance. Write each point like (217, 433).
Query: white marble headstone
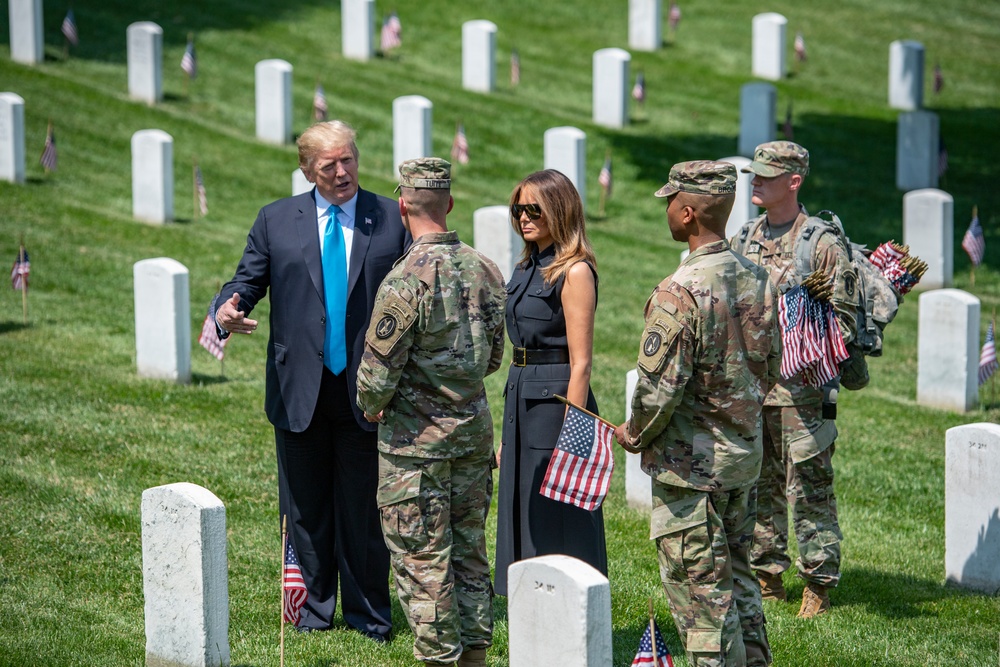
(152, 176)
(948, 350)
(972, 506)
(273, 95)
(559, 612)
(27, 40)
(611, 87)
(11, 138)
(928, 228)
(769, 46)
(412, 118)
(638, 485)
(357, 29)
(645, 25)
(300, 183)
(479, 53)
(918, 150)
(144, 41)
(906, 75)
(744, 209)
(758, 102)
(185, 578)
(162, 319)
(565, 150)
(493, 235)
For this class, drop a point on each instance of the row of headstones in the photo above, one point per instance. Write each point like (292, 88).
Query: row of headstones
(186, 590)
(186, 585)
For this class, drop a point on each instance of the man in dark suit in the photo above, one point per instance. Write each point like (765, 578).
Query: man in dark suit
(323, 255)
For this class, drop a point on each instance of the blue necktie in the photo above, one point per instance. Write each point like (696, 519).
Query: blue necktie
(335, 287)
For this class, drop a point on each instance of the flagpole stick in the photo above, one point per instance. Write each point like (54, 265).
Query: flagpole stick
(584, 410)
(194, 189)
(24, 285)
(284, 538)
(652, 634)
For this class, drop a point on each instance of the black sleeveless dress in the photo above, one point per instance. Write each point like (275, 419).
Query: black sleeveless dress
(529, 524)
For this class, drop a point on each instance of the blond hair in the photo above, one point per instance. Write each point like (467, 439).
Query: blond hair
(563, 212)
(324, 136)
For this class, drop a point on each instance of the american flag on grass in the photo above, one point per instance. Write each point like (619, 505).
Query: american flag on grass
(199, 185)
(209, 338)
(69, 29)
(639, 89)
(515, 67)
(579, 472)
(938, 78)
(605, 178)
(460, 146)
(320, 108)
(189, 61)
(988, 357)
(19, 273)
(644, 656)
(674, 17)
(392, 33)
(50, 156)
(800, 48)
(294, 586)
(974, 242)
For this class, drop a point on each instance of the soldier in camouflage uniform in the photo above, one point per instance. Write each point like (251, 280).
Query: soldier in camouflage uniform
(798, 442)
(709, 354)
(436, 331)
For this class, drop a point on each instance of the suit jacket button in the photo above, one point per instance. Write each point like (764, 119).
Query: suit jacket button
(538, 291)
(322, 320)
(321, 354)
(510, 420)
(545, 392)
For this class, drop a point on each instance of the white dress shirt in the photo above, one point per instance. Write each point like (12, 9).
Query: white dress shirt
(346, 220)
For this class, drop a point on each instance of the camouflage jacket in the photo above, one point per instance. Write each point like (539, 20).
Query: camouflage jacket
(710, 351)
(778, 257)
(437, 330)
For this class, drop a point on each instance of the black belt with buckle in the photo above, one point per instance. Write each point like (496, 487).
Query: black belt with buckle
(524, 357)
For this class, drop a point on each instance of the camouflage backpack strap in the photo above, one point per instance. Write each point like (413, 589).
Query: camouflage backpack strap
(748, 231)
(812, 231)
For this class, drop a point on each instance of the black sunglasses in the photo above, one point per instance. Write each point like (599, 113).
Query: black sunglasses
(534, 211)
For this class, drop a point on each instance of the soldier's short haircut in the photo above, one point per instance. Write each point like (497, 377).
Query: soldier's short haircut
(712, 210)
(426, 202)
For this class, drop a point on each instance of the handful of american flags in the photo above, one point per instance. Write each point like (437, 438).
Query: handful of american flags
(811, 340)
(899, 267)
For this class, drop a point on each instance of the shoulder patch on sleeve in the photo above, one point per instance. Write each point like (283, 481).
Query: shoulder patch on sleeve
(661, 329)
(388, 325)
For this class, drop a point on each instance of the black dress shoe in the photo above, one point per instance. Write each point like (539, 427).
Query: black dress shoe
(376, 637)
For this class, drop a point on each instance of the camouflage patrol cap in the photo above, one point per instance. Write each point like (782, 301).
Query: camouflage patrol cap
(778, 157)
(431, 173)
(700, 177)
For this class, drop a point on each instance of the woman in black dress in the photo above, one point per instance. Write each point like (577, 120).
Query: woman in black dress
(551, 300)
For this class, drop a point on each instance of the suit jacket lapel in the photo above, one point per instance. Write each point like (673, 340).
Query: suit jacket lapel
(366, 218)
(307, 226)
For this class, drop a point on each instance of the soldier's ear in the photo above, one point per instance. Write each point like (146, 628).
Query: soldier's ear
(795, 182)
(402, 206)
(451, 204)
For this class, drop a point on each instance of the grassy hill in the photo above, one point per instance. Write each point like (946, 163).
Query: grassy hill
(81, 436)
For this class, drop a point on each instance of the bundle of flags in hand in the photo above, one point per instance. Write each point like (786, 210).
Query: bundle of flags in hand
(900, 268)
(810, 335)
(579, 471)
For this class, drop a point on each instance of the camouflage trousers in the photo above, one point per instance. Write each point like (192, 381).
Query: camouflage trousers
(702, 541)
(802, 486)
(434, 519)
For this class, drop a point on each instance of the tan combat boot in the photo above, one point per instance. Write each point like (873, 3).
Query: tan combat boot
(815, 601)
(473, 657)
(771, 587)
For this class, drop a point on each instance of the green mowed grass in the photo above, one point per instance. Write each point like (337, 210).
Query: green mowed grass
(81, 436)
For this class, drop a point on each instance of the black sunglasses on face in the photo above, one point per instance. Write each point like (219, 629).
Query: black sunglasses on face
(534, 211)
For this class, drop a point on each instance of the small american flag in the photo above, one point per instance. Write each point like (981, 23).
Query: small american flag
(604, 178)
(639, 89)
(320, 108)
(974, 242)
(788, 129)
(800, 47)
(189, 61)
(644, 656)
(209, 338)
(938, 78)
(69, 29)
(294, 587)
(579, 472)
(674, 17)
(460, 146)
(988, 357)
(515, 67)
(199, 185)
(50, 156)
(19, 274)
(392, 33)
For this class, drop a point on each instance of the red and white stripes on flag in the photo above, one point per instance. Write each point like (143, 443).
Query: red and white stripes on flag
(810, 336)
(460, 147)
(50, 156)
(68, 29)
(392, 33)
(21, 270)
(974, 242)
(579, 471)
(988, 356)
(209, 338)
(294, 587)
(320, 108)
(199, 184)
